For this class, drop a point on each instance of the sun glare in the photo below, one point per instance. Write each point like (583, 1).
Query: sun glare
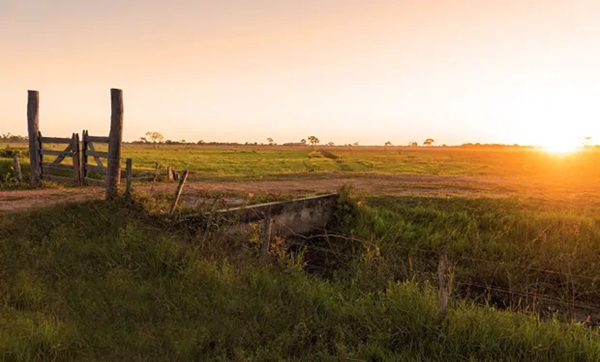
(561, 148)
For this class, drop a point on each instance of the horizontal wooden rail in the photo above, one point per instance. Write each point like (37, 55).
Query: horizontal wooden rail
(101, 170)
(56, 140)
(58, 178)
(56, 153)
(97, 154)
(98, 139)
(56, 166)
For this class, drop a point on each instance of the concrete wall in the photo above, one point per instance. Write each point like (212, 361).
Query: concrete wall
(289, 217)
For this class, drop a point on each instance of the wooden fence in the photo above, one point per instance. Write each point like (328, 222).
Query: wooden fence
(79, 169)
(90, 151)
(56, 170)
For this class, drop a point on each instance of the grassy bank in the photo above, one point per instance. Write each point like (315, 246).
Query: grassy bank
(511, 252)
(98, 282)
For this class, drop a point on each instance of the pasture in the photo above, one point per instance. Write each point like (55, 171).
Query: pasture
(521, 226)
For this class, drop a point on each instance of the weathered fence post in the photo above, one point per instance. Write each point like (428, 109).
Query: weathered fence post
(17, 165)
(40, 157)
(76, 164)
(178, 191)
(84, 156)
(170, 176)
(33, 128)
(445, 279)
(266, 235)
(128, 171)
(113, 172)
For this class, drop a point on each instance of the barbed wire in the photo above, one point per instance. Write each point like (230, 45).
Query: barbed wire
(342, 257)
(436, 252)
(578, 305)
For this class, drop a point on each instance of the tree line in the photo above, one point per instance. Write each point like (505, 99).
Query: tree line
(8, 137)
(157, 137)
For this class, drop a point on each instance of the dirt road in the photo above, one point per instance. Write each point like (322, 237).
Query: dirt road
(373, 184)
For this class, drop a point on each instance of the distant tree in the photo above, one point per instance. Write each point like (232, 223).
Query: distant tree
(428, 142)
(413, 144)
(201, 142)
(156, 137)
(270, 140)
(386, 144)
(355, 144)
(303, 141)
(182, 141)
(143, 140)
(313, 140)
(330, 144)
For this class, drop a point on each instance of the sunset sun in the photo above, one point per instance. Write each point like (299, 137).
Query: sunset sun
(561, 147)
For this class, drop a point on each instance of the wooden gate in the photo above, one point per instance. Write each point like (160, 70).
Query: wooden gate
(55, 170)
(110, 175)
(91, 150)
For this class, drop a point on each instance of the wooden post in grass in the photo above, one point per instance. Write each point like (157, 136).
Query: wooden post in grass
(17, 165)
(445, 279)
(170, 173)
(128, 171)
(113, 172)
(178, 191)
(33, 129)
(266, 235)
(84, 154)
(76, 165)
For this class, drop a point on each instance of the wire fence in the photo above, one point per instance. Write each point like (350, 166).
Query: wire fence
(530, 297)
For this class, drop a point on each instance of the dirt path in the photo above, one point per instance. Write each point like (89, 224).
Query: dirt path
(374, 184)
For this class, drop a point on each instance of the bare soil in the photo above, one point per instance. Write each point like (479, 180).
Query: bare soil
(372, 184)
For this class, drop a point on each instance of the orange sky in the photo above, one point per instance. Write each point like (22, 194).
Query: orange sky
(510, 71)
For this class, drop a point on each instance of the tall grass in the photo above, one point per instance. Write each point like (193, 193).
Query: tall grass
(95, 281)
(514, 251)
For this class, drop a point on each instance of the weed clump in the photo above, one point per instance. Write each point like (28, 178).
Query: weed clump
(10, 152)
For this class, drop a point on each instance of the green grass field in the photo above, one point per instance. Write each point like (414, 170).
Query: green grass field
(254, 162)
(98, 281)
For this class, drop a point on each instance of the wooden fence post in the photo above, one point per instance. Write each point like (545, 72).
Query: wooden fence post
(170, 176)
(178, 192)
(84, 157)
(128, 171)
(17, 165)
(266, 235)
(33, 128)
(113, 172)
(40, 157)
(76, 164)
(445, 279)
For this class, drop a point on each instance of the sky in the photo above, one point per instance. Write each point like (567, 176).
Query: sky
(367, 71)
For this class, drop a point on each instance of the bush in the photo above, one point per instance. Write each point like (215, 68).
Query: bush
(12, 151)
